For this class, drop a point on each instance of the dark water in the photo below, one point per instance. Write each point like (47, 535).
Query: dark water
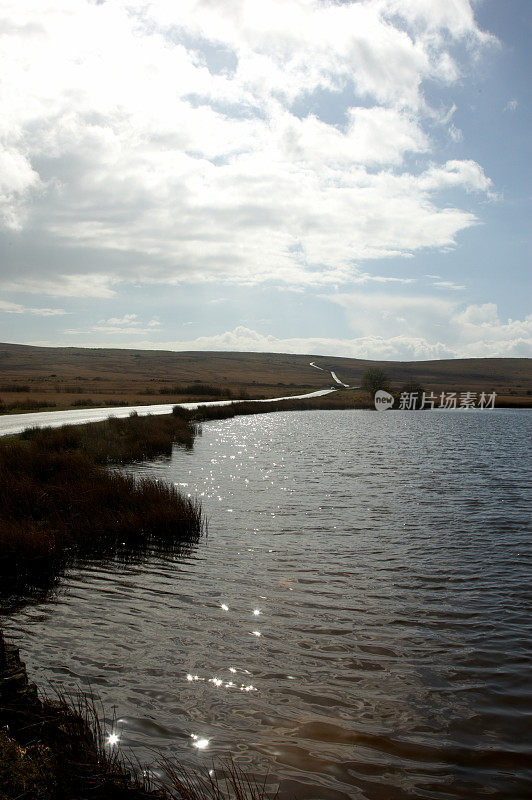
(384, 559)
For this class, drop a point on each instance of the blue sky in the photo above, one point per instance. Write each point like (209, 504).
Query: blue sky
(343, 178)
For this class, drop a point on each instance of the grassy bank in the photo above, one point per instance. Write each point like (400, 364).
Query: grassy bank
(58, 498)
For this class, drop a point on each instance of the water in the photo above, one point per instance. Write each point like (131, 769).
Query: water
(384, 560)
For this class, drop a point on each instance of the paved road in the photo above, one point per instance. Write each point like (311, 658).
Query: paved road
(15, 423)
(337, 379)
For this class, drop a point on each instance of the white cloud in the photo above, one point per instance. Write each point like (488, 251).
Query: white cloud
(437, 323)
(163, 135)
(466, 174)
(441, 16)
(15, 308)
(17, 179)
(448, 285)
(128, 323)
(480, 315)
(90, 285)
(477, 332)
(511, 105)
(455, 133)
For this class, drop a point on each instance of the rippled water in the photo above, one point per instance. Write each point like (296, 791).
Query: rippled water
(357, 621)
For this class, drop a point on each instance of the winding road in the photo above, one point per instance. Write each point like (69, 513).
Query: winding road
(335, 377)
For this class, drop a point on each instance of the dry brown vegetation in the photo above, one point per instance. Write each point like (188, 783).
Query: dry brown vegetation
(84, 377)
(57, 499)
(57, 749)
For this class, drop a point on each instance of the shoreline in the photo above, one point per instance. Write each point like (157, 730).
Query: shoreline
(16, 422)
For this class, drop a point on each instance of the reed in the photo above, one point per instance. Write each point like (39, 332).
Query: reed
(226, 781)
(58, 500)
(58, 749)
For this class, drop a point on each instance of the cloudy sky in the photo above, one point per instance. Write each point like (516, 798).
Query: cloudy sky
(312, 176)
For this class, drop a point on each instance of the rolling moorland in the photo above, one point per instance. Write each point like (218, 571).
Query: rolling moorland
(35, 378)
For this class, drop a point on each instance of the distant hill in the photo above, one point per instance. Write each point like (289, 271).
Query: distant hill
(147, 372)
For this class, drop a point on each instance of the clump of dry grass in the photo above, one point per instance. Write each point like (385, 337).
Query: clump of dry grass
(58, 749)
(25, 405)
(228, 782)
(82, 715)
(197, 390)
(57, 500)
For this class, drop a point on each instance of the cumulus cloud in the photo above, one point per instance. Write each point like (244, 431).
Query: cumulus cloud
(478, 332)
(437, 324)
(128, 323)
(164, 136)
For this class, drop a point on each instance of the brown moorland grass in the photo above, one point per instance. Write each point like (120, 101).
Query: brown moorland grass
(68, 375)
(58, 499)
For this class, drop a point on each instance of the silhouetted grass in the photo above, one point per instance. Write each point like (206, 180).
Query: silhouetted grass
(229, 781)
(57, 500)
(58, 749)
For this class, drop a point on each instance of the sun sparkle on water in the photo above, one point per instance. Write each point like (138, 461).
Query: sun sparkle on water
(199, 742)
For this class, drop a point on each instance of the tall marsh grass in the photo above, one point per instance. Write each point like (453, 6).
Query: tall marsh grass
(60, 496)
(58, 749)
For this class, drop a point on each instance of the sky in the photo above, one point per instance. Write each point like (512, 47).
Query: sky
(304, 176)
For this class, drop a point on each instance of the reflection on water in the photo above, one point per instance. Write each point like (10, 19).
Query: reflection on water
(356, 623)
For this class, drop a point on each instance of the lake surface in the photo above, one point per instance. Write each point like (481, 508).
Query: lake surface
(357, 623)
